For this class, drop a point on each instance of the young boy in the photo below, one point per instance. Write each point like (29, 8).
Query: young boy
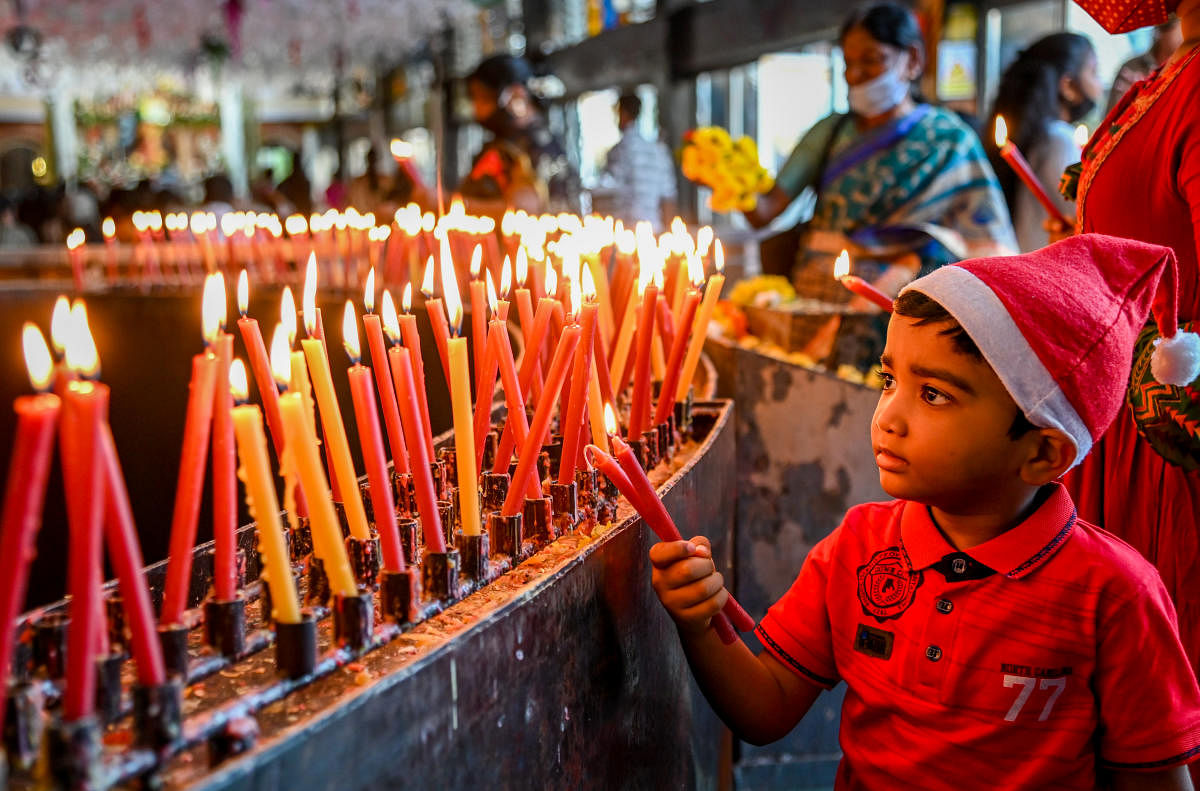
(987, 637)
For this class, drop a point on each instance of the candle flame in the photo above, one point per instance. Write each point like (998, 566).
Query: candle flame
(427, 280)
(75, 239)
(695, 269)
(287, 314)
(1082, 135)
(428, 221)
(350, 333)
(576, 296)
(841, 267)
(198, 223)
(704, 240)
(491, 292)
(243, 292)
(38, 362)
(522, 266)
(719, 257)
(551, 281)
(610, 419)
(588, 284)
(506, 278)
(401, 149)
(369, 292)
(391, 323)
(450, 286)
(238, 384)
(626, 241)
(281, 356)
(230, 223)
(212, 307)
(309, 299)
(678, 226)
(60, 325)
(108, 228)
(1001, 131)
(82, 357)
(155, 221)
(295, 225)
(406, 298)
(476, 261)
(508, 222)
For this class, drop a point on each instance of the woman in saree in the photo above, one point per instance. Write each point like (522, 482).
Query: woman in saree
(904, 186)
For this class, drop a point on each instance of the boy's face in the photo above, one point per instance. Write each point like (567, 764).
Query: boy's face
(940, 430)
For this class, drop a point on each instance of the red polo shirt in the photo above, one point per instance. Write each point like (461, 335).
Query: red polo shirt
(1029, 661)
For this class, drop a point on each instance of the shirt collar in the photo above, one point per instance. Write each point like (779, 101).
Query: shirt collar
(1013, 553)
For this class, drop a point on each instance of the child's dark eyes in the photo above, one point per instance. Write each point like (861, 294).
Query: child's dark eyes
(884, 380)
(933, 396)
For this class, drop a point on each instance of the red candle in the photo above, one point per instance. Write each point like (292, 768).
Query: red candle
(529, 367)
(83, 413)
(371, 441)
(1016, 160)
(639, 413)
(600, 359)
(224, 452)
(527, 460)
(192, 460)
(126, 557)
(387, 395)
(479, 305)
(402, 375)
(260, 365)
(581, 375)
(666, 398)
(666, 326)
(441, 332)
(24, 493)
(516, 425)
(841, 270)
(412, 342)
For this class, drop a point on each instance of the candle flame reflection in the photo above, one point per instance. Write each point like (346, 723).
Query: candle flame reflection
(238, 384)
(350, 334)
(38, 362)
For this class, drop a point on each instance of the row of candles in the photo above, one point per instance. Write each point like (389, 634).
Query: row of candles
(589, 338)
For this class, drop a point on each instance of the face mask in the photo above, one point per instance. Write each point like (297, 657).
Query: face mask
(1080, 109)
(877, 96)
(1121, 16)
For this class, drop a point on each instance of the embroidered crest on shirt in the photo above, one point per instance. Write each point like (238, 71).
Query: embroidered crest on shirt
(887, 585)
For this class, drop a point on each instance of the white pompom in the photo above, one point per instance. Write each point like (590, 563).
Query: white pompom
(1176, 361)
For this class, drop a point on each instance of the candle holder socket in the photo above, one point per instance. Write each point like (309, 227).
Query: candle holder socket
(410, 540)
(353, 620)
(653, 451)
(118, 630)
(406, 494)
(495, 490)
(553, 449)
(564, 500)
(439, 574)
(638, 446)
(267, 602)
(49, 643)
(587, 485)
(225, 626)
(448, 456)
(365, 559)
(448, 517)
(364, 494)
(318, 583)
(238, 736)
(343, 522)
(302, 539)
(475, 551)
(71, 756)
(509, 532)
(607, 508)
(296, 647)
(108, 687)
(544, 467)
(683, 414)
(23, 724)
(174, 641)
(440, 482)
(400, 595)
(536, 516)
(491, 444)
(666, 441)
(157, 714)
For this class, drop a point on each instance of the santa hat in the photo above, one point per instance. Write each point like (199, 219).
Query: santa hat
(1058, 325)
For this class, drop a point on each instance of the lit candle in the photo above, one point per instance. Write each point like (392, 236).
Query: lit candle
(371, 441)
(260, 365)
(75, 242)
(521, 295)
(342, 464)
(1016, 160)
(402, 360)
(516, 424)
(581, 376)
(224, 462)
(301, 447)
(530, 449)
(639, 413)
(192, 463)
(25, 491)
(841, 271)
(712, 292)
(460, 401)
(529, 365)
(435, 309)
(407, 327)
(109, 230)
(479, 307)
(485, 387)
(387, 395)
(260, 496)
(84, 407)
(667, 395)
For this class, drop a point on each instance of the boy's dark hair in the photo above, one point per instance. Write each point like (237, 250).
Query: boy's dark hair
(915, 305)
(630, 104)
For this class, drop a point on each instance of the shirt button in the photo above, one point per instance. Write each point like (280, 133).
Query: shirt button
(933, 653)
(944, 606)
(959, 565)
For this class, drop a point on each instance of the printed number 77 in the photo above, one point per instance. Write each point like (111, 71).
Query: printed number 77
(1026, 683)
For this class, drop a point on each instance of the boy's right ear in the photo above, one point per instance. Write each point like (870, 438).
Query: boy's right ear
(1052, 454)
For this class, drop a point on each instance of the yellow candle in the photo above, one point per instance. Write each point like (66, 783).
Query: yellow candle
(625, 338)
(327, 535)
(600, 278)
(596, 411)
(464, 435)
(699, 332)
(335, 435)
(255, 473)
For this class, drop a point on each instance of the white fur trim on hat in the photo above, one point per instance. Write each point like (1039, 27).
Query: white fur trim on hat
(981, 313)
(1176, 360)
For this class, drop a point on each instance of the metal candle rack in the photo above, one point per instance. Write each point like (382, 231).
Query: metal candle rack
(137, 730)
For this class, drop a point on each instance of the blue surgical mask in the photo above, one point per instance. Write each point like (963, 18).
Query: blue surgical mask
(877, 96)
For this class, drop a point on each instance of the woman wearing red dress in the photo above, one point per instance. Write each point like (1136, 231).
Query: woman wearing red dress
(1140, 179)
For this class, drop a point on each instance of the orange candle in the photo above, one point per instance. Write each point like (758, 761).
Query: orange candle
(224, 461)
(387, 395)
(581, 375)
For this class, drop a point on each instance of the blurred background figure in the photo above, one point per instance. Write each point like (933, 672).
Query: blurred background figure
(639, 172)
(1167, 38)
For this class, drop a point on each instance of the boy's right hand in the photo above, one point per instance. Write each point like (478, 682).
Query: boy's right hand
(687, 582)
